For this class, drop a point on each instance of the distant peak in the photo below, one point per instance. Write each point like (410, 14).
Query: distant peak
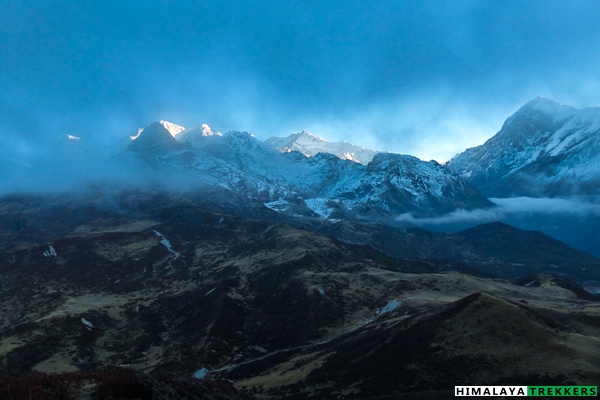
(198, 135)
(549, 107)
(202, 130)
(155, 134)
(245, 135)
(307, 134)
(541, 100)
(310, 144)
(207, 131)
(173, 129)
(71, 137)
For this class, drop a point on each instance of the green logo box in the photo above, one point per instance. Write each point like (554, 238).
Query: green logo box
(562, 391)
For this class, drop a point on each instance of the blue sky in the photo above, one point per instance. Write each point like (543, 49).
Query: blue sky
(427, 78)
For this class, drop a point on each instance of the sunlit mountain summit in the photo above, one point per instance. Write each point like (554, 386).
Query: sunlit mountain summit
(173, 129)
(309, 145)
(194, 136)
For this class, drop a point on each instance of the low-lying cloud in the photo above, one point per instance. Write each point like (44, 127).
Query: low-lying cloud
(508, 209)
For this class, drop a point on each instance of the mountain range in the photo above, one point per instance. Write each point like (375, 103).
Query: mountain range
(321, 185)
(544, 150)
(288, 268)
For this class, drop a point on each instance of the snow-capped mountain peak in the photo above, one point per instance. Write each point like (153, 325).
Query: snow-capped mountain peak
(197, 136)
(306, 136)
(173, 129)
(310, 144)
(154, 136)
(544, 149)
(207, 131)
(549, 107)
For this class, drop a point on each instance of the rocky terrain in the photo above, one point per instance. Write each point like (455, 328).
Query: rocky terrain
(184, 283)
(115, 383)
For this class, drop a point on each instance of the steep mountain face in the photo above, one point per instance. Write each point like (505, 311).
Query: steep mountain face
(309, 145)
(544, 149)
(122, 144)
(173, 129)
(154, 137)
(426, 184)
(323, 185)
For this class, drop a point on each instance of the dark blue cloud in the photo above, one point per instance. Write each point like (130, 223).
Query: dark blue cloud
(399, 75)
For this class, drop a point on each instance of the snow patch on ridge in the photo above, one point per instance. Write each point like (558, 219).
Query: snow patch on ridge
(319, 206)
(165, 242)
(278, 205)
(390, 307)
(87, 323)
(50, 252)
(201, 373)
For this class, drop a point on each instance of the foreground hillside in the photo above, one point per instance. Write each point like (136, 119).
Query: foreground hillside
(176, 283)
(481, 339)
(115, 383)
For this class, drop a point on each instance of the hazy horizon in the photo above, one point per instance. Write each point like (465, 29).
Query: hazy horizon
(428, 79)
